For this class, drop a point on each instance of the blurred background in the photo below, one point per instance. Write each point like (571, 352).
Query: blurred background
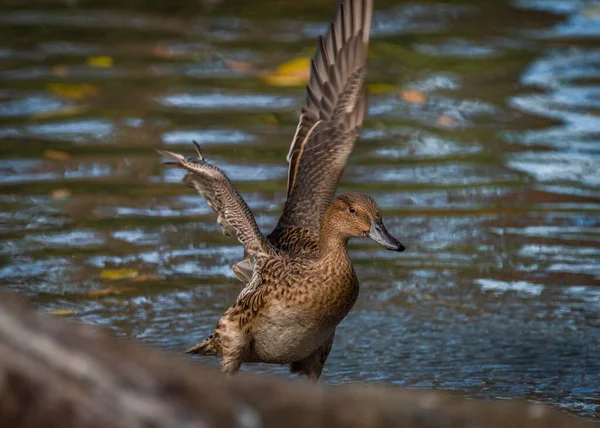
(482, 147)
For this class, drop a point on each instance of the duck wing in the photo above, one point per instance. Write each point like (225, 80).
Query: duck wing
(331, 119)
(234, 215)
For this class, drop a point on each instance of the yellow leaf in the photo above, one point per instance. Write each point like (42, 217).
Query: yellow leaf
(271, 120)
(291, 73)
(295, 65)
(56, 155)
(72, 91)
(413, 96)
(60, 193)
(115, 274)
(108, 291)
(102, 61)
(381, 88)
(62, 312)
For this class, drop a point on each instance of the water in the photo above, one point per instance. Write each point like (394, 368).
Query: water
(482, 147)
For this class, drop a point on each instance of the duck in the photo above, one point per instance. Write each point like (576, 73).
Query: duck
(299, 282)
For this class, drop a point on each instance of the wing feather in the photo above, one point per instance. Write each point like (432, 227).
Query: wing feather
(233, 214)
(331, 118)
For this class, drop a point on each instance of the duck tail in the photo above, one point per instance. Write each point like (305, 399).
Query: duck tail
(209, 346)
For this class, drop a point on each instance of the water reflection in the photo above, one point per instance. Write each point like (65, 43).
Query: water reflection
(482, 148)
(219, 101)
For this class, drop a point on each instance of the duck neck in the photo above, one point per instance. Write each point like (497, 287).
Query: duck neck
(332, 241)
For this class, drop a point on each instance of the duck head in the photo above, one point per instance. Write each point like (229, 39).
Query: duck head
(356, 215)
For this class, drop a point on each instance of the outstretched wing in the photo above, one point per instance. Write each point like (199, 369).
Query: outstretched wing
(233, 213)
(331, 119)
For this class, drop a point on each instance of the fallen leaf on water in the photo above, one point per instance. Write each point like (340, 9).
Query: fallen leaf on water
(161, 51)
(271, 120)
(108, 291)
(102, 61)
(381, 88)
(56, 155)
(115, 274)
(60, 193)
(301, 64)
(145, 277)
(62, 312)
(60, 71)
(72, 91)
(234, 64)
(446, 121)
(291, 73)
(413, 96)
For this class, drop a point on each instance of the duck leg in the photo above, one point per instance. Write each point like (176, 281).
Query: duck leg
(312, 366)
(228, 341)
(234, 346)
(230, 365)
(231, 357)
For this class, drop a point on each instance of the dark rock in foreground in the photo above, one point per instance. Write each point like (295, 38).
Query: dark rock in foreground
(59, 374)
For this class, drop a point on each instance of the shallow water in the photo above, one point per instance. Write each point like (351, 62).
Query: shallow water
(482, 147)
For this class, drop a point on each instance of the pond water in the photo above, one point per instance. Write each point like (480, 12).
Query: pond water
(482, 147)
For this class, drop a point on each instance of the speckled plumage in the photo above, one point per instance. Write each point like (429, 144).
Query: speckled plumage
(299, 281)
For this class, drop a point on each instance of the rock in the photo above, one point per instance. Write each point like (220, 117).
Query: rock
(59, 374)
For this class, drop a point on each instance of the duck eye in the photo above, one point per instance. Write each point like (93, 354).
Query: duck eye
(352, 210)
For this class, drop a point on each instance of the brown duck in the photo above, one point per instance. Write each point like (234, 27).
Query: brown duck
(300, 283)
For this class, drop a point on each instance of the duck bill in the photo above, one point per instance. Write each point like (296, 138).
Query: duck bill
(379, 234)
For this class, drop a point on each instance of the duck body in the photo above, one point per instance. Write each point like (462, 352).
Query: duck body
(311, 290)
(299, 283)
(307, 288)
(306, 302)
